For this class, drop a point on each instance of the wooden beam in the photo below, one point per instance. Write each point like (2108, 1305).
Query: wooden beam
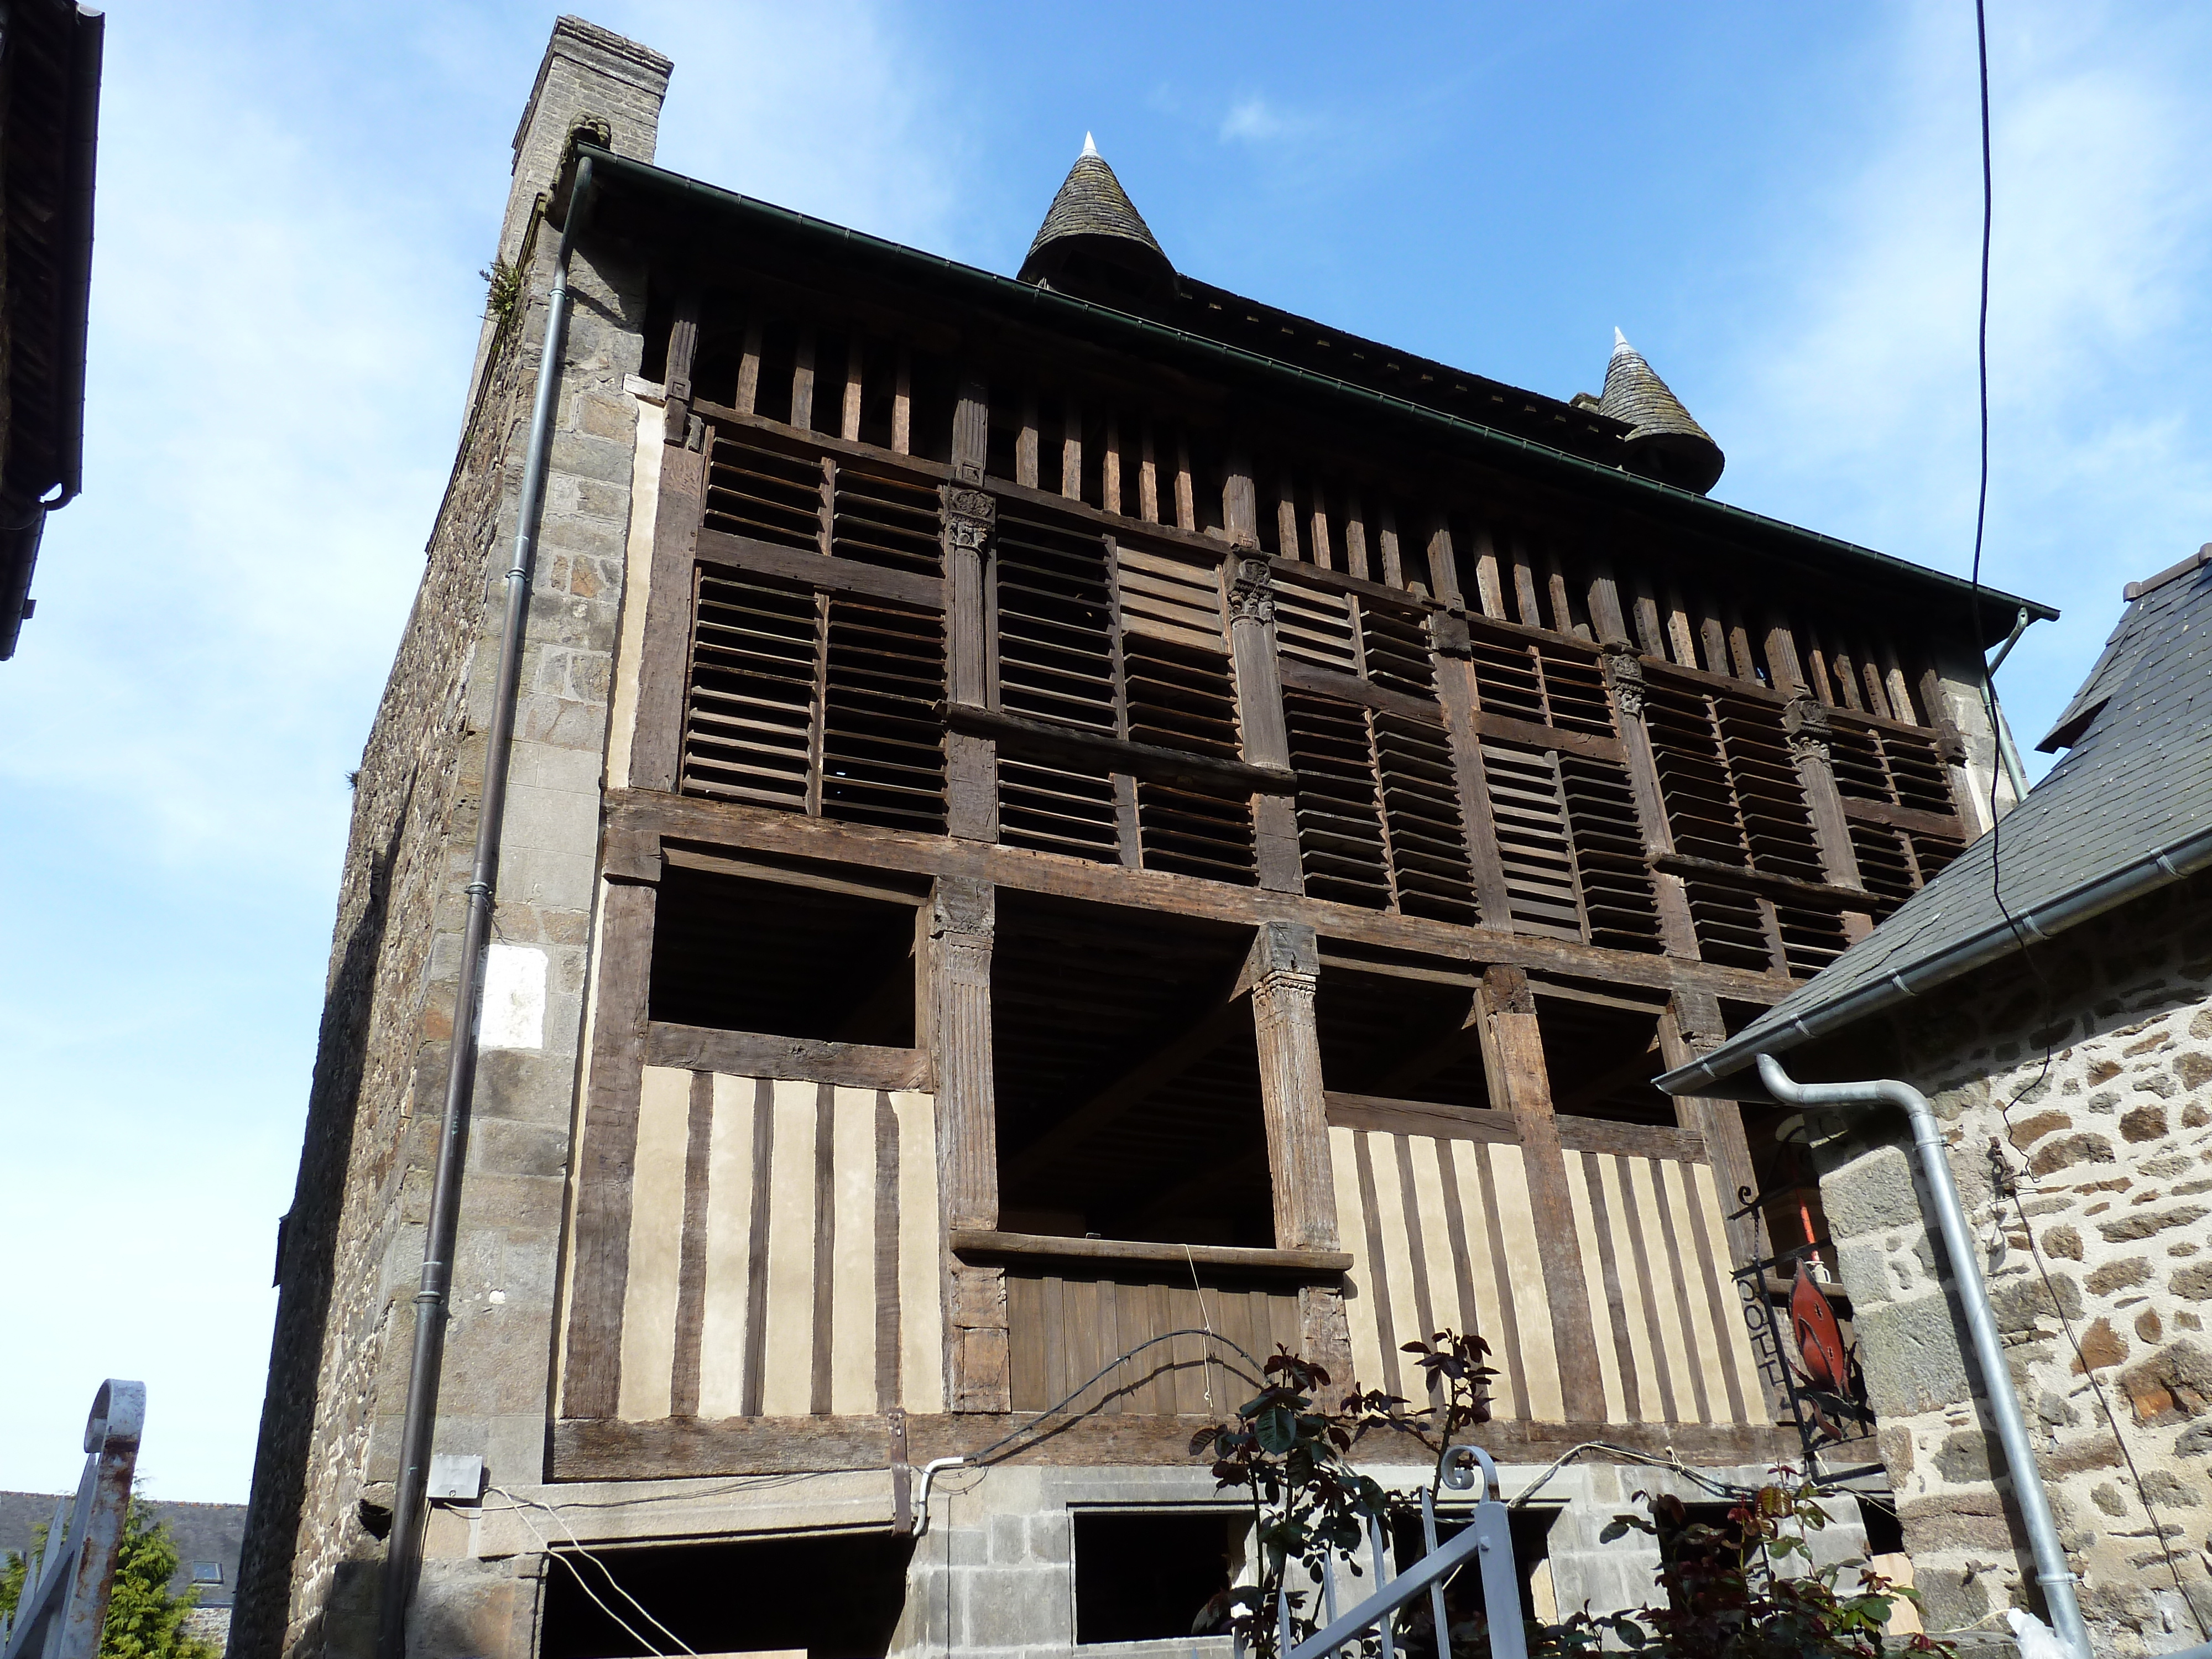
(718, 547)
(771, 832)
(1513, 1050)
(1252, 649)
(682, 347)
(1624, 677)
(1806, 724)
(1045, 1247)
(1906, 818)
(1420, 1117)
(1045, 741)
(757, 1054)
(1455, 695)
(970, 516)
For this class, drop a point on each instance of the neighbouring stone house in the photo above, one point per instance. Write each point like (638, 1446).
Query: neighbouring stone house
(2071, 1059)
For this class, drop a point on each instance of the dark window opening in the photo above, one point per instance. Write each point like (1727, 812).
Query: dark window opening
(1602, 1058)
(1154, 1577)
(779, 357)
(1399, 1038)
(1531, 1530)
(746, 955)
(831, 1597)
(659, 318)
(1885, 1536)
(1126, 1077)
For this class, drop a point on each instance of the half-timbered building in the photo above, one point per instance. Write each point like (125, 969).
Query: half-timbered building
(1063, 831)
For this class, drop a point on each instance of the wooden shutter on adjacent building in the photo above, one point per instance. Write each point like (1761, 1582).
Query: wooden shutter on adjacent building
(1896, 789)
(1565, 813)
(1380, 823)
(1734, 802)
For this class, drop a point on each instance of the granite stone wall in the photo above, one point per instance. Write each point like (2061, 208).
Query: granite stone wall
(2076, 1086)
(352, 1243)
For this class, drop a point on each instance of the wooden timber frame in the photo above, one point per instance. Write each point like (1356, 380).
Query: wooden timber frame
(1415, 723)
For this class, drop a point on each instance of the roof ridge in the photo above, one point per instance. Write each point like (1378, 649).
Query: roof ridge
(2195, 560)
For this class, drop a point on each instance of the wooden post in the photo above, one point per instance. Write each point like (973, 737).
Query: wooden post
(1624, 675)
(1810, 733)
(1285, 970)
(971, 761)
(682, 347)
(962, 912)
(1456, 693)
(665, 655)
(1443, 572)
(1513, 1053)
(1260, 710)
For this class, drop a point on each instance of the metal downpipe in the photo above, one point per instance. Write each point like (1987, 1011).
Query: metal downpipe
(2050, 1569)
(403, 1558)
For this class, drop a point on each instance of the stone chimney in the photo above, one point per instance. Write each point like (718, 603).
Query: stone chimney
(591, 78)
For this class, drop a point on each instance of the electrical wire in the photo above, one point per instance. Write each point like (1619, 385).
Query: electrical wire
(1672, 1462)
(984, 1458)
(1996, 846)
(582, 1582)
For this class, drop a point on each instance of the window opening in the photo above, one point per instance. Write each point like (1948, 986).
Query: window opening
(833, 1597)
(1600, 1057)
(1464, 1601)
(1395, 1038)
(740, 954)
(1157, 1576)
(1126, 1077)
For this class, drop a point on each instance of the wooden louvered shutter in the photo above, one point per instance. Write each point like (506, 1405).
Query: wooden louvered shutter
(1897, 796)
(1380, 821)
(749, 722)
(1563, 809)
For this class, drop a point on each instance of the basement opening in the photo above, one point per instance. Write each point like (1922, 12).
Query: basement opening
(1531, 1530)
(833, 1596)
(1158, 1575)
(828, 959)
(1126, 1076)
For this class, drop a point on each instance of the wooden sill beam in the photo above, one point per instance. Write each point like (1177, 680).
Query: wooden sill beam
(1759, 881)
(1042, 740)
(1906, 818)
(806, 1059)
(997, 1246)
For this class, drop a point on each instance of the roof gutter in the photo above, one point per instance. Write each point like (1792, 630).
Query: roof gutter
(2132, 880)
(83, 161)
(1638, 490)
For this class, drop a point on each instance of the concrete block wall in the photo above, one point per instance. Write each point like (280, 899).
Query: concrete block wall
(2111, 1150)
(353, 1244)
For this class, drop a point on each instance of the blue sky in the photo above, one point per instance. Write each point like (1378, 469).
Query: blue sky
(1779, 205)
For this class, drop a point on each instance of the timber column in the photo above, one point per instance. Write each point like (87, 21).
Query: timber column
(1624, 677)
(961, 919)
(1513, 1051)
(1285, 971)
(970, 760)
(1810, 734)
(1260, 702)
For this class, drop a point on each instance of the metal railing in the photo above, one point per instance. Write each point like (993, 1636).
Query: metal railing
(1488, 1539)
(64, 1603)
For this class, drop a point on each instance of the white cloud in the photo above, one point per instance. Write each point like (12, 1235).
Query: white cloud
(1251, 118)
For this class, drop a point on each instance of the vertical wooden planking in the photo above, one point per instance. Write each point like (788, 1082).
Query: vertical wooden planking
(1080, 1334)
(888, 1343)
(787, 1343)
(1784, 666)
(757, 1256)
(921, 1284)
(1401, 1237)
(1643, 1344)
(1425, 1200)
(1026, 442)
(1360, 1301)
(1025, 1353)
(1650, 636)
(1393, 567)
(591, 1381)
(1379, 1265)
(1052, 1322)
(1680, 641)
(802, 380)
(1604, 611)
(1355, 537)
(1816, 666)
(852, 1269)
(1735, 1340)
(1673, 1289)
(1877, 697)
(1494, 1277)
(1148, 478)
(1109, 471)
(747, 401)
(823, 1286)
(1111, 1345)
(1536, 1310)
(1444, 564)
(1714, 638)
(1739, 640)
(1289, 540)
(1680, 1217)
(849, 426)
(1490, 591)
(691, 1268)
(1185, 497)
(1324, 549)
(1529, 613)
(903, 403)
(1684, 1402)
(1604, 1287)
(1713, 1288)
(1472, 1317)
(722, 1353)
(1555, 588)
(656, 1243)
(1071, 450)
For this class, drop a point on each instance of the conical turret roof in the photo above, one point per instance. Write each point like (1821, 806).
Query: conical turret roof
(1093, 239)
(1663, 442)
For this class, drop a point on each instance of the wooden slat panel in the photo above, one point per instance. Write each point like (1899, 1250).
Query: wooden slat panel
(1722, 1397)
(1653, 1404)
(1669, 1292)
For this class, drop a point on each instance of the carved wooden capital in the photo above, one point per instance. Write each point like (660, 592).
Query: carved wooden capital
(1624, 672)
(1806, 724)
(1251, 594)
(969, 516)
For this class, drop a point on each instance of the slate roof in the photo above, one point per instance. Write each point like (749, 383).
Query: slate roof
(204, 1534)
(1657, 420)
(1091, 204)
(2126, 812)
